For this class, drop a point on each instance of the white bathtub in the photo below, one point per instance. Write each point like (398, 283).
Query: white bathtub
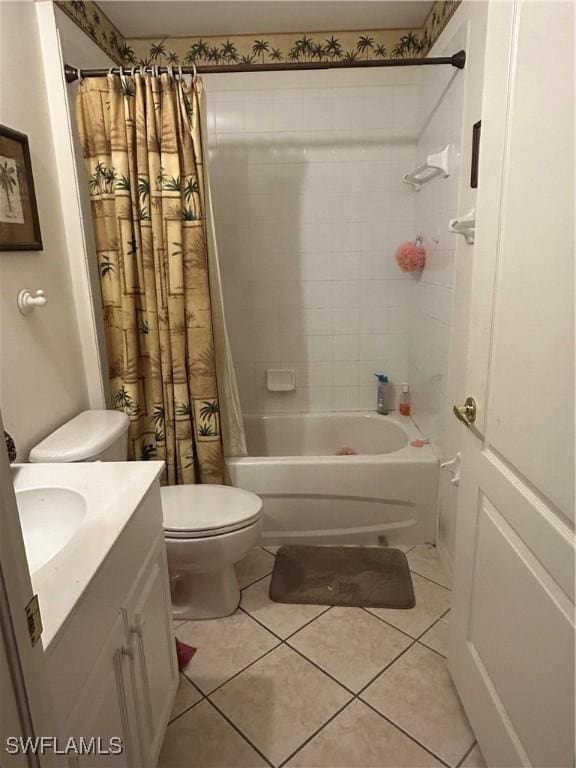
(312, 496)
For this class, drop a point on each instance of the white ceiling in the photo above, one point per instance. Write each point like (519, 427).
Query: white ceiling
(181, 18)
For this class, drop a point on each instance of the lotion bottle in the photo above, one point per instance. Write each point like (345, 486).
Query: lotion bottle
(381, 405)
(405, 400)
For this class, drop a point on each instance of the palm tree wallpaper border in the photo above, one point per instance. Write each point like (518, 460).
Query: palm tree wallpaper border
(227, 51)
(93, 21)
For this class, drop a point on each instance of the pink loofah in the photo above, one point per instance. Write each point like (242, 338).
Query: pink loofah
(411, 256)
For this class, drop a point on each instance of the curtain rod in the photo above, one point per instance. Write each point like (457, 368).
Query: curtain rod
(457, 60)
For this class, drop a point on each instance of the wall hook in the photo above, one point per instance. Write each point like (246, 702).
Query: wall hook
(27, 300)
(453, 466)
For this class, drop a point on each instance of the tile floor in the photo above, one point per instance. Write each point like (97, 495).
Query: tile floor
(313, 687)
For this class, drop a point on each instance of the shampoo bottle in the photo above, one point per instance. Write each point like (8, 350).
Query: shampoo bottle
(381, 405)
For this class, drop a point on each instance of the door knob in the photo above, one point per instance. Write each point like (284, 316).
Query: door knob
(467, 412)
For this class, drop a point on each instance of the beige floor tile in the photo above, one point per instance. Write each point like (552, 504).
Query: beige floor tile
(350, 644)
(417, 694)
(256, 564)
(360, 737)
(202, 738)
(186, 696)
(281, 618)
(431, 602)
(437, 636)
(425, 560)
(474, 759)
(280, 701)
(225, 646)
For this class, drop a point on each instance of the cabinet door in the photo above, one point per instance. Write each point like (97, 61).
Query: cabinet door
(149, 618)
(105, 708)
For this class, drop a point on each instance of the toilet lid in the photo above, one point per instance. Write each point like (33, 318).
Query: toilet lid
(196, 510)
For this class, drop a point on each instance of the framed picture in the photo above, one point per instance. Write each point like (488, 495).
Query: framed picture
(19, 224)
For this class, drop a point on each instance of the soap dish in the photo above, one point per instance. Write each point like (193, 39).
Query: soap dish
(280, 379)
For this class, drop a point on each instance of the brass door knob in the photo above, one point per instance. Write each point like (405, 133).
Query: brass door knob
(467, 412)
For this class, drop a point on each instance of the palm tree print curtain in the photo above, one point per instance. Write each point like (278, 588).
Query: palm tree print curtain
(142, 144)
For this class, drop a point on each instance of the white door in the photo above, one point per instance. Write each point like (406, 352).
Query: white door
(512, 644)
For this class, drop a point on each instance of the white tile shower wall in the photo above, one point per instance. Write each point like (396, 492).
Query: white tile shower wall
(306, 173)
(432, 290)
(440, 298)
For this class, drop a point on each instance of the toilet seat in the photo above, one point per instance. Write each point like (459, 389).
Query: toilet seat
(199, 511)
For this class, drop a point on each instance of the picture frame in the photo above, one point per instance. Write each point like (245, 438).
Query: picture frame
(19, 222)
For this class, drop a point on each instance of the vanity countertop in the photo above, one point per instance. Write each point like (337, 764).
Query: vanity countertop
(112, 491)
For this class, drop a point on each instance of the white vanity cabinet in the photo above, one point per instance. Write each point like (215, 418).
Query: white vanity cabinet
(113, 665)
(149, 623)
(106, 708)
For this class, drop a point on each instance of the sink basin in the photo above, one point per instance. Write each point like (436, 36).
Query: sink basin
(49, 518)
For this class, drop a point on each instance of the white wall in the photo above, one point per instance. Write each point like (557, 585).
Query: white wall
(64, 42)
(41, 379)
(309, 204)
(451, 104)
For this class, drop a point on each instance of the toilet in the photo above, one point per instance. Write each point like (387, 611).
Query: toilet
(207, 528)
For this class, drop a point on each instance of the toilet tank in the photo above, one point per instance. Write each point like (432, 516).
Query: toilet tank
(90, 436)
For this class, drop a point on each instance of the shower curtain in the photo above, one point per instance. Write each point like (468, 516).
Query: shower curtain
(170, 367)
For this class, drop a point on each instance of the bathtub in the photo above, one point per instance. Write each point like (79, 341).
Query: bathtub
(384, 494)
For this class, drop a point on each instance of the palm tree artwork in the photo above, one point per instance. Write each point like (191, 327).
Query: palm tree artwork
(8, 181)
(260, 48)
(157, 50)
(318, 51)
(229, 52)
(123, 401)
(147, 451)
(214, 55)
(304, 46)
(333, 48)
(158, 418)
(106, 266)
(191, 189)
(365, 44)
(209, 419)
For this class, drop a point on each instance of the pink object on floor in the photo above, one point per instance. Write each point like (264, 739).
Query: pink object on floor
(345, 451)
(411, 256)
(184, 653)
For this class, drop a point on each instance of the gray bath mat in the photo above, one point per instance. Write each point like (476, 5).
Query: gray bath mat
(352, 576)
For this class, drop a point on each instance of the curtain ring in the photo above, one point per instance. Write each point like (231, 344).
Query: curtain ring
(195, 75)
(180, 74)
(79, 75)
(132, 71)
